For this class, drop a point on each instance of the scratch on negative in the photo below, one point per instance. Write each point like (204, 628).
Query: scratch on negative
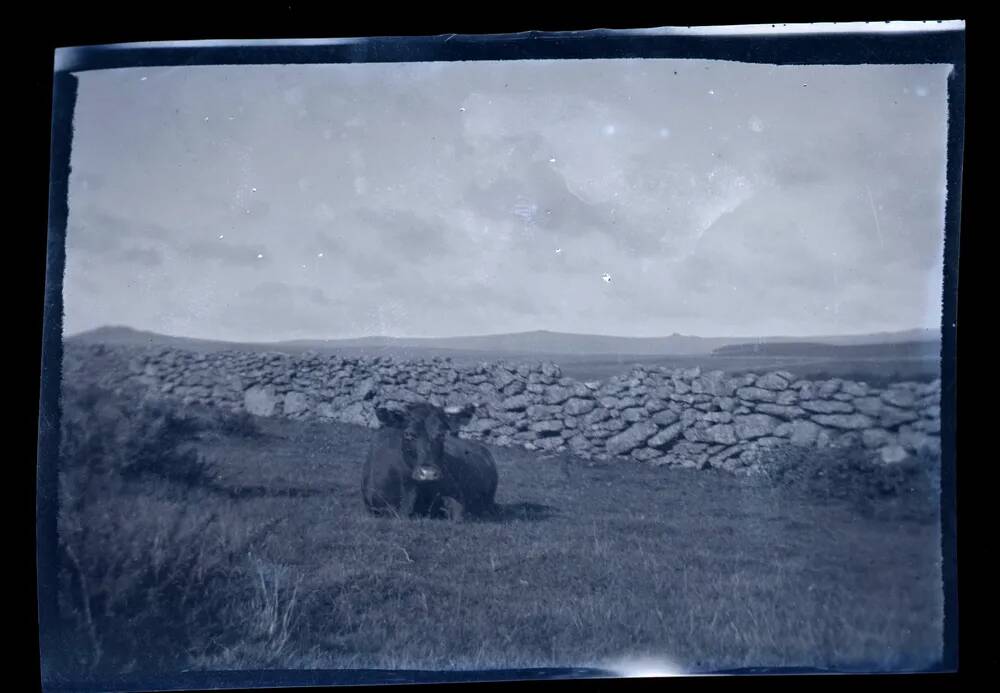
(878, 229)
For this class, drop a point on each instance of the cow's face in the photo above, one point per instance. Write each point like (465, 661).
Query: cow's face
(424, 428)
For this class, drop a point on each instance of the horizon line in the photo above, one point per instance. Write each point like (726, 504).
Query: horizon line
(938, 329)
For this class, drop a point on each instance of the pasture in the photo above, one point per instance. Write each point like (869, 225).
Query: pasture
(261, 555)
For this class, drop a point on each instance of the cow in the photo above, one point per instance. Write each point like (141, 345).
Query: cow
(418, 467)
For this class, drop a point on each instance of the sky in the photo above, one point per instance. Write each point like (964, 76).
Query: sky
(624, 197)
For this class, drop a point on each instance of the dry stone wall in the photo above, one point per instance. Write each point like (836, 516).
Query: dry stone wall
(688, 418)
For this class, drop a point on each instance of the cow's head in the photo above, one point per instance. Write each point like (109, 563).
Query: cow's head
(424, 429)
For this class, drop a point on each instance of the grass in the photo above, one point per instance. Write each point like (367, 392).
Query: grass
(268, 560)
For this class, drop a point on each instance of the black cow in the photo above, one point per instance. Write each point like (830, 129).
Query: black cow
(418, 467)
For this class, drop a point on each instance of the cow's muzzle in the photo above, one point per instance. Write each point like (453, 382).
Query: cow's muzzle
(426, 474)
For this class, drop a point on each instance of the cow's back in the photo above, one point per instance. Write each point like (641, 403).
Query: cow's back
(474, 463)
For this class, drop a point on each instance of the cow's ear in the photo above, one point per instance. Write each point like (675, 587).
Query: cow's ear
(459, 416)
(390, 417)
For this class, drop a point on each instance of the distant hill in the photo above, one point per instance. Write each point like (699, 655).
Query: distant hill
(528, 343)
(893, 350)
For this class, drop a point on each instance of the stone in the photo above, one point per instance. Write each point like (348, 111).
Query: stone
(549, 427)
(891, 417)
(543, 411)
(357, 414)
(783, 430)
(804, 433)
(720, 433)
(845, 421)
(663, 392)
(556, 394)
(829, 388)
(712, 383)
(366, 389)
(930, 407)
(899, 397)
(690, 417)
(514, 388)
(503, 378)
(665, 437)
(260, 401)
(665, 417)
(718, 458)
(819, 406)
(654, 405)
(893, 454)
(634, 414)
(928, 426)
(691, 373)
(756, 394)
(577, 407)
(614, 425)
(872, 406)
(771, 381)
(516, 403)
(645, 454)
(754, 426)
(596, 416)
(807, 390)
(726, 403)
(663, 461)
(635, 436)
(780, 411)
(718, 417)
(295, 402)
(549, 443)
(481, 425)
(787, 397)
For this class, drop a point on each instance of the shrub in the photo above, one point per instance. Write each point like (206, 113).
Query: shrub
(854, 474)
(240, 424)
(135, 437)
(150, 580)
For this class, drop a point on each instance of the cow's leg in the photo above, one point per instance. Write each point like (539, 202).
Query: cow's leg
(408, 501)
(454, 509)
